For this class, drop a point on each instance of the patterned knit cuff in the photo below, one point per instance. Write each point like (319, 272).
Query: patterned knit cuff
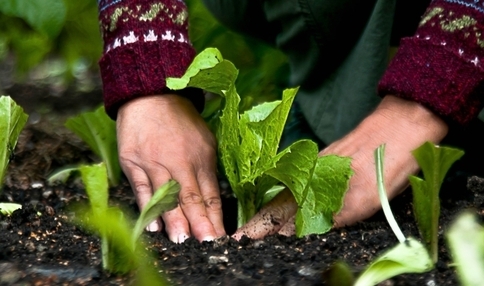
(441, 67)
(144, 43)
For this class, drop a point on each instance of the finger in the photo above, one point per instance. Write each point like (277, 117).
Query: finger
(209, 189)
(143, 191)
(193, 207)
(289, 228)
(176, 225)
(271, 218)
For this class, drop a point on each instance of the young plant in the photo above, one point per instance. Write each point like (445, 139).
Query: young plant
(122, 251)
(248, 145)
(12, 121)
(434, 161)
(466, 243)
(408, 256)
(99, 132)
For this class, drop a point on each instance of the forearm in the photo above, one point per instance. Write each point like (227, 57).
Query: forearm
(144, 43)
(441, 66)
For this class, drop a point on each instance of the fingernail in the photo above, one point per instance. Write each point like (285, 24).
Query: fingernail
(182, 238)
(208, 238)
(153, 226)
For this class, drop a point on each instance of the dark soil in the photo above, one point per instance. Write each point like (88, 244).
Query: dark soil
(39, 246)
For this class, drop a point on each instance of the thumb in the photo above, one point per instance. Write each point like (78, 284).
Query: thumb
(271, 218)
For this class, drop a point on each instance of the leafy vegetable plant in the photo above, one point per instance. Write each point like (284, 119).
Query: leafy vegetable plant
(434, 161)
(248, 145)
(408, 256)
(99, 133)
(122, 251)
(465, 238)
(12, 121)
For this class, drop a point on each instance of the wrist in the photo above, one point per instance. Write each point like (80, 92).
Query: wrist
(153, 104)
(410, 114)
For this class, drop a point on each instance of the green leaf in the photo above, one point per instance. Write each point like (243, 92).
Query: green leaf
(12, 121)
(9, 208)
(99, 133)
(228, 137)
(434, 161)
(317, 183)
(96, 182)
(261, 130)
(208, 71)
(407, 257)
(271, 193)
(164, 199)
(45, 16)
(466, 242)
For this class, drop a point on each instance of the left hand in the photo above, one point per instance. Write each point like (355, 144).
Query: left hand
(400, 124)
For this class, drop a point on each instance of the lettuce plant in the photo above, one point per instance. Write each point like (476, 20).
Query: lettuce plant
(434, 161)
(248, 146)
(122, 251)
(99, 132)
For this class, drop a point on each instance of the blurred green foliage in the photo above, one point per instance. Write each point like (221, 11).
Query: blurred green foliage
(38, 31)
(35, 31)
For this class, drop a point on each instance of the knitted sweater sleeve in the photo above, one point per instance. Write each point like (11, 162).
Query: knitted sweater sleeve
(145, 41)
(442, 65)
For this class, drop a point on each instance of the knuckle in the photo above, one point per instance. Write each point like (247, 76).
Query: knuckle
(141, 187)
(128, 158)
(277, 217)
(190, 198)
(213, 203)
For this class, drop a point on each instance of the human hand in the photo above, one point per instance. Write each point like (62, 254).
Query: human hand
(164, 137)
(403, 126)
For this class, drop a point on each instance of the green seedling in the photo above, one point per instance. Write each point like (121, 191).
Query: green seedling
(9, 208)
(434, 161)
(12, 121)
(122, 249)
(408, 256)
(99, 132)
(248, 145)
(465, 238)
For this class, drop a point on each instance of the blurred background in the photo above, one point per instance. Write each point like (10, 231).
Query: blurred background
(49, 51)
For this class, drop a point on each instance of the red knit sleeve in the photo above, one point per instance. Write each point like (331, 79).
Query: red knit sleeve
(145, 41)
(442, 65)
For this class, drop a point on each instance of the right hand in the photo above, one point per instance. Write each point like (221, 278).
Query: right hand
(163, 137)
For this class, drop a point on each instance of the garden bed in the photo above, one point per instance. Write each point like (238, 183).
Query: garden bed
(39, 246)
